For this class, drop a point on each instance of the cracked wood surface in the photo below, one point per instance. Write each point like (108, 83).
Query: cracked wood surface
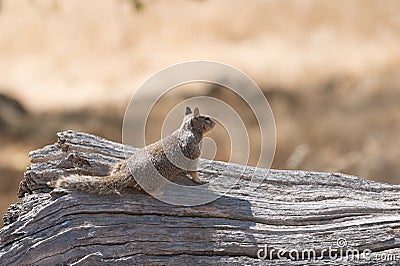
(285, 210)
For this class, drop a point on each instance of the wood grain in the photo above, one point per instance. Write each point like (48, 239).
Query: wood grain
(285, 210)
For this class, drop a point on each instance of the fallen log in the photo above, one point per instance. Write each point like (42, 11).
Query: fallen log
(272, 217)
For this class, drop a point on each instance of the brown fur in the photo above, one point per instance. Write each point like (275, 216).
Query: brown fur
(185, 140)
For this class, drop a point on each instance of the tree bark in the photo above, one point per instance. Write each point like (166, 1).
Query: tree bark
(298, 217)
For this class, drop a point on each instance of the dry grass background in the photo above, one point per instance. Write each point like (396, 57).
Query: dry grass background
(330, 70)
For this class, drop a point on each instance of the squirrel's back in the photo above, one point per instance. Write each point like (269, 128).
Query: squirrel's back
(168, 157)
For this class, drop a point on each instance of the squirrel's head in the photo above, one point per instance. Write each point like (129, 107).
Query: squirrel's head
(196, 122)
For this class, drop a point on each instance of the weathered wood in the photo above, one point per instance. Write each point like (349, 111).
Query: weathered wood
(289, 210)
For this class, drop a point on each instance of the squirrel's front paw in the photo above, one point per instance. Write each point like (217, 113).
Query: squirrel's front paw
(197, 179)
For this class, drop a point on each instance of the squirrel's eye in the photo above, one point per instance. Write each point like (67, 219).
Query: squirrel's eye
(207, 118)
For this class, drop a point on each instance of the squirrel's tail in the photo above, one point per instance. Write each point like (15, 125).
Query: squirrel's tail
(90, 184)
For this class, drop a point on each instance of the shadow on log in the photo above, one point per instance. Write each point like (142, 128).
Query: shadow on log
(298, 217)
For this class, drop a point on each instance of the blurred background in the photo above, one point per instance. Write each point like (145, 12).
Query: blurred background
(329, 69)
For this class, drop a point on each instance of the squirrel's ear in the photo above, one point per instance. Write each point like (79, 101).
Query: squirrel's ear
(196, 112)
(188, 111)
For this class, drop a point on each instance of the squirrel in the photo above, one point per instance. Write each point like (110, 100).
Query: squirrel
(143, 169)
